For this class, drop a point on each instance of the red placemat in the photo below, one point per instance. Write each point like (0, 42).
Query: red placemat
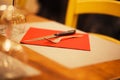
(80, 43)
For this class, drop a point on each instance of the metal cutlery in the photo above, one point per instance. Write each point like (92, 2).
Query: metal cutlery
(65, 33)
(57, 40)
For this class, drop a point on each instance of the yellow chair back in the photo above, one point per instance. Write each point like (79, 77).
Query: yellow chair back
(76, 7)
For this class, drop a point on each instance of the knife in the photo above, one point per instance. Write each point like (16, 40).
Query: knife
(65, 33)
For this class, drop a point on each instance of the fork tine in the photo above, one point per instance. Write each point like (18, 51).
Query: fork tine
(57, 40)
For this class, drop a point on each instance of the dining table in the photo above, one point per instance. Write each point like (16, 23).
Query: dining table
(101, 62)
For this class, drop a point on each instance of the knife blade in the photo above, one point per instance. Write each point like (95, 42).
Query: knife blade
(65, 33)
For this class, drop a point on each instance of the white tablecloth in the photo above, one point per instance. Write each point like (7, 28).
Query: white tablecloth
(101, 50)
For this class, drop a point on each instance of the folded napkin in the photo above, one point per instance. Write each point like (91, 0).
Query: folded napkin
(80, 43)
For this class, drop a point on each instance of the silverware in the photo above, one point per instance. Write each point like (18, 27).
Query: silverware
(70, 32)
(57, 40)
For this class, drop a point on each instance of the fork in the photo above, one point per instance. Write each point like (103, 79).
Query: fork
(57, 40)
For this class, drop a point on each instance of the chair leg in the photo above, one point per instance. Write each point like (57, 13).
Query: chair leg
(74, 21)
(70, 14)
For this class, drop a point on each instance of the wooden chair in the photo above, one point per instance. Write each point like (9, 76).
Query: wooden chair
(76, 7)
(28, 6)
(20, 3)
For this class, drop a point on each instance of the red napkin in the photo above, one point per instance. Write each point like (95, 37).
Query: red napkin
(80, 43)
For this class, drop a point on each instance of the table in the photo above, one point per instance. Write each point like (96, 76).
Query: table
(52, 70)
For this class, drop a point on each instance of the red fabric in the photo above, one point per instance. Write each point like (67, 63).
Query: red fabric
(80, 43)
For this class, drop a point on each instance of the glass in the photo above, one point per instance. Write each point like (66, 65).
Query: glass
(11, 54)
(2, 27)
(3, 6)
(14, 20)
(9, 68)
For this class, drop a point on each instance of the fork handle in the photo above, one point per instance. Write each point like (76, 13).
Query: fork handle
(70, 32)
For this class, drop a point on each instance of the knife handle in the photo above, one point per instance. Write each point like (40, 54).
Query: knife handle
(70, 32)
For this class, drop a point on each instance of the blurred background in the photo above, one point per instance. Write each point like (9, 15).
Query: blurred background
(56, 10)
